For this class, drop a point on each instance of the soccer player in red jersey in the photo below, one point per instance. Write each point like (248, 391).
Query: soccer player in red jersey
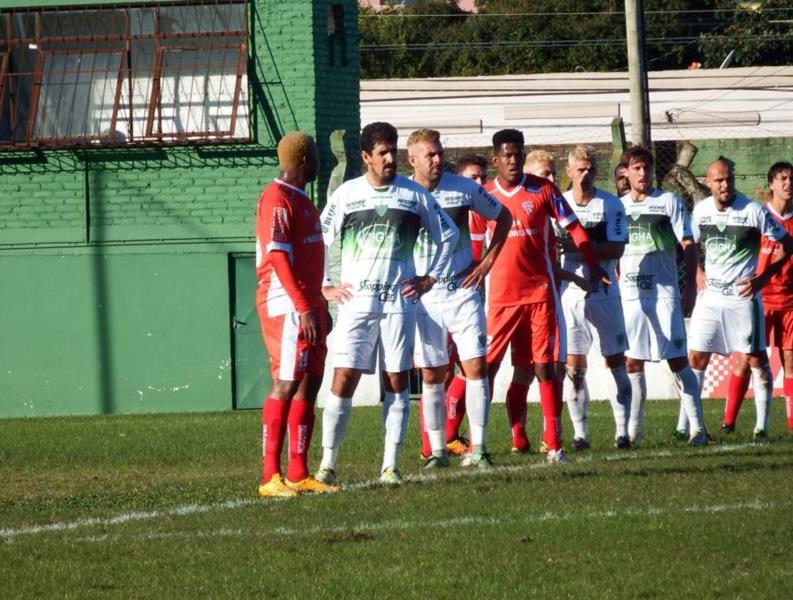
(521, 297)
(777, 300)
(293, 314)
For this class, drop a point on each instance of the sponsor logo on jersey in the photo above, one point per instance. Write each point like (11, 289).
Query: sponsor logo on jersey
(641, 237)
(643, 281)
(328, 220)
(520, 232)
(385, 292)
(453, 200)
(424, 241)
(356, 204)
(313, 238)
(528, 207)
(725, 288)
(532, 189)
(447, 281)
(378, 236)
(618, 224)
(408, 203)
(717, 248)
(563, 209)
(442, 217)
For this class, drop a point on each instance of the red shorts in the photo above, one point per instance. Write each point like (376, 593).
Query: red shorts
(291, 356)
(779, 328)
(530, 328)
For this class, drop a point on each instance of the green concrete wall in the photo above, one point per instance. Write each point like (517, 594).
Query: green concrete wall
(114, 263)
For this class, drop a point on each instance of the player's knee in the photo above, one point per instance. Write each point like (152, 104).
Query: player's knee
(763, 373)
(576, 375)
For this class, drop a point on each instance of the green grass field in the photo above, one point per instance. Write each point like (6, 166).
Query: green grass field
(166, 506)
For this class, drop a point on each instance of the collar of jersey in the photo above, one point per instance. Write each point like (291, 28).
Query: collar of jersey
(784, 217)
(514, 190)
(291, 187)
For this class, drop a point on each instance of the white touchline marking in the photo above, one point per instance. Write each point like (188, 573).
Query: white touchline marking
(191, 509)
(402, 525)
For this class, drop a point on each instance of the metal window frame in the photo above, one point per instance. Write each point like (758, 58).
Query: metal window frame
(213, 38)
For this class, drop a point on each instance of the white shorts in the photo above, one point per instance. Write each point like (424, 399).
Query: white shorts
(655, 328)
(726, 327)
(590, 319)
(463, 319)
(359, 338)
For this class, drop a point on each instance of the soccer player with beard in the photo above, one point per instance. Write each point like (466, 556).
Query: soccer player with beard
(377, 218)
(729, 315)
(521, 299)
(454, 306)
(651, 301)
(293, 314)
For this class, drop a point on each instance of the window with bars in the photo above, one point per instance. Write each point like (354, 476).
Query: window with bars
(124, 75)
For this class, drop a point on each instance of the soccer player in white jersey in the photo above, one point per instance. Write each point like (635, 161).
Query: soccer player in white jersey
(729, 315)
(598, 314)
(454, 305)
(377, 218)
(657, 224)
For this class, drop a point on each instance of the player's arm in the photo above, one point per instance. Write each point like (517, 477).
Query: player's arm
(476, 277)
(331, 220)
(563, 275)
(691, 264)
(782, 252)
(587, 249)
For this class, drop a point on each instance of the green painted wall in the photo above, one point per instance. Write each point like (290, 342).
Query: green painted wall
(114, 263)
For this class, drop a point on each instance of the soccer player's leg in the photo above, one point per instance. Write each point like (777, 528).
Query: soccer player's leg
(744, 326)
(355, 339)
(396, 341)
(522, 376)
(738, 384)
(455, 404)
(785, 347)
(575, 389)
(431, 356)
(501, 323)
(607, 317)
(638, 333)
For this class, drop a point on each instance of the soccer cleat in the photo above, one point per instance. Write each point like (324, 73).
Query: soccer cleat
(521, 450)
(622, 442)
(727, 429)
(478, 460)
(457, 447)
(391, 476)
(326, 475)
(680, 435)
(543, 447)
(436, 462)
(760, 437)
(556, 457)
(276, 488)
(310, 485)
(699, 439)
(580, 444)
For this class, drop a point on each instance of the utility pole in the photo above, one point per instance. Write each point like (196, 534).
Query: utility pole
(637, 73)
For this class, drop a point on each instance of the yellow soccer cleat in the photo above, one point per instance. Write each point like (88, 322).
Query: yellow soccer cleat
(309, 485)
(458, 447)
(276, 488)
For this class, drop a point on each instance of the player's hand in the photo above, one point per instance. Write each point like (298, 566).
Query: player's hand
(309, 326)
(598, 277)
(584, 284)
(702, 280)
(747, 288)
(474, 276)
(337, 293)
(415, 288)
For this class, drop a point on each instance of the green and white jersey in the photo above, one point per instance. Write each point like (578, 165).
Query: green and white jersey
(603, 217)
(378, 228)
(457, 196)
(731, 241)
(656, 225)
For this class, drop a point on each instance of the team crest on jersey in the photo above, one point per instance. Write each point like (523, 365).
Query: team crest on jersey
(528, 207)
(381, 207)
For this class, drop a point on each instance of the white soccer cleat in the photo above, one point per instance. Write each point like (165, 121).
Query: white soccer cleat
(556, 457)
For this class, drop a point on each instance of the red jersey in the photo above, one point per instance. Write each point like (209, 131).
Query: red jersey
(778, 293)
(287, 221)
(523, 272)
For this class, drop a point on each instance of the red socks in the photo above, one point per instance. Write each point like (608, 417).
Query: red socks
(736, 390)
(274, 416)
(549, 402)
(301, 426)
(788, 390)
(516, 413)
(426, 447)
(455, 408)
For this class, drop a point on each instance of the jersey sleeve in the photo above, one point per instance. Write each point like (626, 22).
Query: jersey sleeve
(435, 220)
(678, 216)
(332, 218)
(695, 218)
(483, 203)
(477, 226)
(274, 224)
(616, 227)
(560, 208)
(769, 226)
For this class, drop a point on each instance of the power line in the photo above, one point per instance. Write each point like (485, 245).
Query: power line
(465, 15)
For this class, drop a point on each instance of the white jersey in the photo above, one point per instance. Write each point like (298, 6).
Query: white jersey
(603, 217)
(458, 196)
(378, 228)
(648, 269)
(731, 240)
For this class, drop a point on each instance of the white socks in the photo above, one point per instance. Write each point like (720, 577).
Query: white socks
(576, 394)
(762, 384)
(335, 418)
(689, 385)
(433, 403)
(621, 403)
(396, 410)
(477, 404)
(638, 398)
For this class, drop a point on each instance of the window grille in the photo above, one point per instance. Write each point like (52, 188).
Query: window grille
(124, 75)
